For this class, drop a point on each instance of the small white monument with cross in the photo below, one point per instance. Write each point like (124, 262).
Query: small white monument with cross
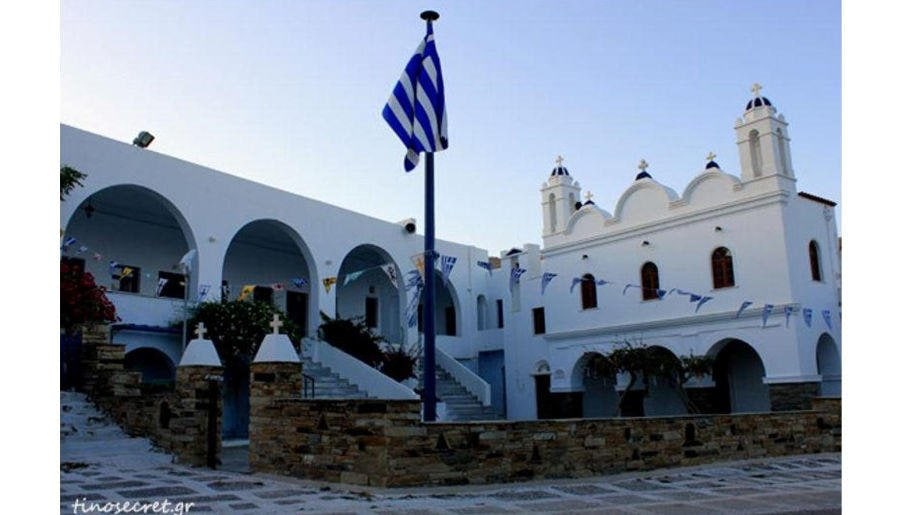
(276, 347)
(200, 351)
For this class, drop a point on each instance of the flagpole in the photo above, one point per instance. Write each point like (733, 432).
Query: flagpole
(429, 277)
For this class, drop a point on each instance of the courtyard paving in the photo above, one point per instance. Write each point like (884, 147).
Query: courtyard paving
(100, 464)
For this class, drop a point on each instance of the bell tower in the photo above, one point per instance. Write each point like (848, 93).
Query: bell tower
(560, 199)
(764, 147)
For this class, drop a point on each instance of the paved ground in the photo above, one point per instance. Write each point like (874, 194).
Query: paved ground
(100, 464)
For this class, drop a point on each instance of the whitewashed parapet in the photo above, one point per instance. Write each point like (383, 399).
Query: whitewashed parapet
(368, 379)
(464, 376)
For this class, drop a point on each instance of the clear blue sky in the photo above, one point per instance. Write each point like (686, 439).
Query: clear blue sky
(289, 93)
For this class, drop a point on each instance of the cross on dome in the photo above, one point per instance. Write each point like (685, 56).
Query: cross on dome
(642, 165)
(559, 160)
(756, 89)
(711, 156)
(200, 331)
(276, 324)
(588, 196)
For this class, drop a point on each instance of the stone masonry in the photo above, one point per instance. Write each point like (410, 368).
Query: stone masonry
(383, 443)
(270, 382)
(792, 396)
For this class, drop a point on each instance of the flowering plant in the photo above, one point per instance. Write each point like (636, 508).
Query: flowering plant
(81, 301)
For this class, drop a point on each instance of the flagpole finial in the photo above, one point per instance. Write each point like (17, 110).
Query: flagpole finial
(429, 15)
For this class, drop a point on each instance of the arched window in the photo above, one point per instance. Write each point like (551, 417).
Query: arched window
(572, 200)
(815, 270)
(481, 312)
(552, 212)
(783, 153)
(650, 281)
(587, 290)
(756, 158)
(723, 273)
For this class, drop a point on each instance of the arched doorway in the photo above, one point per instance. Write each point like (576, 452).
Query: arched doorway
(270, 262)
(738, 373)
(365, 290)
(447, 316)
(599, 392)
(828, 365)
(663, 397)
(154, 366)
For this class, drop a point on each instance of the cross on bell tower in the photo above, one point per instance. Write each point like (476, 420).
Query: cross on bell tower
(560, 194)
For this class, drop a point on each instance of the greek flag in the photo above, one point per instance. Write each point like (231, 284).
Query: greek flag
(546, 278)
(203, 291)
(767, 310)
(827, 316)
(416, 109)
(744, 306)
(701, 302)
(515, 276)
(788, 311)
(447, 263)
(485, 265)
(299, 282)
(68, 242)
(808, 316)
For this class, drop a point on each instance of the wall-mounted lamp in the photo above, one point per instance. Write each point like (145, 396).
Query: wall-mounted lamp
(585, 256)
(646, 243)
(143, 139)
(718, 229)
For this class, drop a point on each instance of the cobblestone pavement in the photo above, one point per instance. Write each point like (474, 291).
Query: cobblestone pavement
(100, 464)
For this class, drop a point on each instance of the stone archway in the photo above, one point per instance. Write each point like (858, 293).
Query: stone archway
(365, 290)
(828, 365)
(738, 373)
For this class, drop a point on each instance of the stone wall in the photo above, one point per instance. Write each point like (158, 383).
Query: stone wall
(792, 396)
(383, 443)
(174, 416)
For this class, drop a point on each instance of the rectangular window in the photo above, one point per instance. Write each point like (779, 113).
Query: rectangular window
(170, 285)
(371, 307)
(501, 313)
(263, 294)
(297, 309)
(450, 329)
(126, 278)
(539, 320)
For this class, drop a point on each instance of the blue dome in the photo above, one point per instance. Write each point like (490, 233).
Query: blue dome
(643, 175)
(711, 164)
(559, 170)
(757, 102)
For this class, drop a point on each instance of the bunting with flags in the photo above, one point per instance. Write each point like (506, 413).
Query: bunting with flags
(744, 306)
(246, 292)
(515, 276)
(808, 316)
(161, 284)
(390, 270)
(546, 278)
(827, 316)
(203, 291)
(703, 300)
(767, 310)
(352, 276)
(299, 282)
(447, 263)
(418, 261)
(788, 311)
(576, 280)
(630, 285)
(328, 283)
(485, 265)
(67, 242)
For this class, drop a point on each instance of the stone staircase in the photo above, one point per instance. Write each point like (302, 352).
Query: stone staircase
(459, 403)
(328, 385)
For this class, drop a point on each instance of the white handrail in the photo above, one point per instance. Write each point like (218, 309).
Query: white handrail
(372, 381)
(469, 380)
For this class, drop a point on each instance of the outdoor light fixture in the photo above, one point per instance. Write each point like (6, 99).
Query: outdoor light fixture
(718, 229)
(144, 139)
(409, 224)
(585, 256)
(646, 243)
(89, 209)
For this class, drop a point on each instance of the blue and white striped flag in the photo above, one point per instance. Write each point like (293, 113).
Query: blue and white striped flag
(827, 316)
(661, 293)
(702, 301)
(744, 306)
(767, 310)
(415, 280)
(515, 276)
(576, 280)
(447, 264)
(416, 109)
(299, 282)
(68, 242)
(602, 282)
(808, 316)
(485, 265)
(694, 297)
(788, 311)
(203, 291)
(546, 278)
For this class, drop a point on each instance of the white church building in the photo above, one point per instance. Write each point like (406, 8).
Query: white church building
(740, 266)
